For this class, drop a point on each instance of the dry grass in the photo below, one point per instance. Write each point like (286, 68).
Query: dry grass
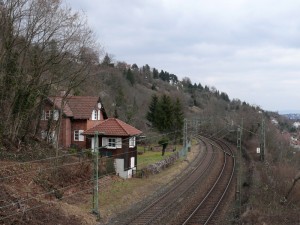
(122, 194)
(116, 194)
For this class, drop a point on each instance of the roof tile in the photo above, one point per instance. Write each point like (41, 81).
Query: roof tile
(113, 127)
(79, 107)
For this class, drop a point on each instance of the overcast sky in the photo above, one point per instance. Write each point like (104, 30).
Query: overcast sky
(249, 49)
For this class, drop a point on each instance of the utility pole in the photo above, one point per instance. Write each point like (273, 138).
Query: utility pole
(262, 140)
(239, 174)
(95, 209)
(196, 130)
(185, 135)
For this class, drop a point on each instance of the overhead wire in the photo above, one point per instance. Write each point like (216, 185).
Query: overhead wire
(55, 167)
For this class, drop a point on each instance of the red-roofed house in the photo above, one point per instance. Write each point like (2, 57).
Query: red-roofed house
(78, 114)
(117, 139)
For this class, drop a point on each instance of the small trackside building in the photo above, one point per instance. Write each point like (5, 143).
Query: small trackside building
(116, 139)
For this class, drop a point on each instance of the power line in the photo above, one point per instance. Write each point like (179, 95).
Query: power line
(43, 169)
(44, 193)
(43, 204)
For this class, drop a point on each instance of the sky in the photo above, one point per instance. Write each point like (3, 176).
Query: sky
(249, 49)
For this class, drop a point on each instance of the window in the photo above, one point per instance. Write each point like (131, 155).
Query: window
(132, 162)
(55, 114)
(132, 142)
(78, 135)
(50, 136)
(111, 143)
(50, 114)
(96, 115)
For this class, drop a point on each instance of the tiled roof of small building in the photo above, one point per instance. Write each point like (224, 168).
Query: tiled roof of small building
(113, 127)
(78, 107)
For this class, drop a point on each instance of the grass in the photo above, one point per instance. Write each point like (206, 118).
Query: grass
(149, 157)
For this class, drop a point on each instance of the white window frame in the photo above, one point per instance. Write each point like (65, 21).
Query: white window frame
(132, 162)
(132, 142)
(78, 135)
(99, 115)
(96, 114)
(43, 115)
(48, 114)
(55, 114)
(111, 142)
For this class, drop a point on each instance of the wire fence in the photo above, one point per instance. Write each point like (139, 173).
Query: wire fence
(62, 177)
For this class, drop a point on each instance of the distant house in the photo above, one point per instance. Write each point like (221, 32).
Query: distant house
(296, 124)
(116, 139)
(78, 114)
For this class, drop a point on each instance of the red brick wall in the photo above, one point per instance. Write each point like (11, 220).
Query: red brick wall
(92, 123)
(44, 123)
(65, 133)
(78, 125)
(68, 125)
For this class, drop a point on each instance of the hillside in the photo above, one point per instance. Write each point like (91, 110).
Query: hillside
(66, 58)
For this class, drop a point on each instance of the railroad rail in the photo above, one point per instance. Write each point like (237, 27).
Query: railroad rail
(204, 212)
(165, 210)
(157, 208)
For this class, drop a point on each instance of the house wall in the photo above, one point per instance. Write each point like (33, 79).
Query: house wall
(67, 127)
(65, 133)
(119, 167)
(44, 123)
(131, 152)
(48, 125)
(78, 125)
(92, 123)
(125, 152)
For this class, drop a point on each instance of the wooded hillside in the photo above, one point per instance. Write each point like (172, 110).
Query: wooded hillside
(46, 48)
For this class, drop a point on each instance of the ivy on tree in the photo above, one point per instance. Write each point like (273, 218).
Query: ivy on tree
(164, 143)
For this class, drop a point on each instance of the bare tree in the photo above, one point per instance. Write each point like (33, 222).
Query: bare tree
(297, 178)
(44, 46)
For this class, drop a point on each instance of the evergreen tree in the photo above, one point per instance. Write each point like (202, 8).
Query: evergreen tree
(162, 75)
(164, 117)
(200, 87)
(178, 115)
(225, 97)
(155, 73)
(135, 67)
(146, 71)
(173, 78)
(107, 60)
(130, 77)
(151, 115)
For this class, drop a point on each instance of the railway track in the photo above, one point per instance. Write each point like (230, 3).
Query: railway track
(205, 211)
(163, 209)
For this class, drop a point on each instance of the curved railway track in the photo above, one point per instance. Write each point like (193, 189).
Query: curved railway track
(206, 209)
(195, 208)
